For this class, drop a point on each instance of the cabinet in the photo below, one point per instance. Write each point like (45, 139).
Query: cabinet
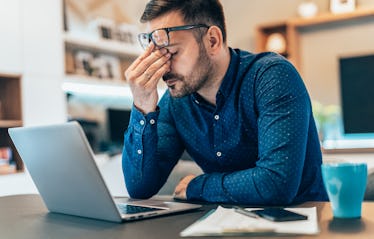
(10, 116)
(273, 35)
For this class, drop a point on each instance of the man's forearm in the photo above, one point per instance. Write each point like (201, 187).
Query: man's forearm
(148, 157)
(140, 171)
(252, 186)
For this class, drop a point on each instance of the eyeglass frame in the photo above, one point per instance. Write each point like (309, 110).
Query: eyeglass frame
(167, 30)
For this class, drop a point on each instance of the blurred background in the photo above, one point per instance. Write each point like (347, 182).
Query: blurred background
(64, 60)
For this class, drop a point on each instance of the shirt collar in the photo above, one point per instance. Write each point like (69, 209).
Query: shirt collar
(229, 78)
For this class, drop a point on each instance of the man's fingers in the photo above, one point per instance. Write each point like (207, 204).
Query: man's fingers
(178, 188)
(133, 70)
(154, 79)
(179, 196)
(154, 73)
(145, 54)
(147, 66)
(179, 193)
(183, 183)
(150, 60)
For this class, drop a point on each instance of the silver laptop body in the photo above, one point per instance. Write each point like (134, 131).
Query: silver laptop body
(62, 166)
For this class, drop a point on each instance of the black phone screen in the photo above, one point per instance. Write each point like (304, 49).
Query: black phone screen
(279, 215)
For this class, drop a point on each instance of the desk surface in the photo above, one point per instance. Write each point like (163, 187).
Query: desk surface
(25, 216)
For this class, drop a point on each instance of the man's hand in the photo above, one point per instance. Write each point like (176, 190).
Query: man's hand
(143, 75)
(180, 191)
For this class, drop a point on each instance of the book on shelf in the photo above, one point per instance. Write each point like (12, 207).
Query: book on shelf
(6, 161)
(5, 155)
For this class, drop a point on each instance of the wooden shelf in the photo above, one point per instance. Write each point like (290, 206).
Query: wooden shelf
(290, 29)
(330, 18)
(102, 46)
(7, 169)
(123, 55)
(10, 123)
(347, 150)
(104, 87)
(85, 85)
(10, 116)
(9, 76)
(76, 78)
(265, 30)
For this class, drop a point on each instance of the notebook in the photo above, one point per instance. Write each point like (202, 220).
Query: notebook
(62, 166)
(228, 222)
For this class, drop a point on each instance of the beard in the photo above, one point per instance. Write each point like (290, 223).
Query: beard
(202, 72)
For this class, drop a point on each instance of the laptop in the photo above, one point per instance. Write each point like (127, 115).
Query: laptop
(62, 166)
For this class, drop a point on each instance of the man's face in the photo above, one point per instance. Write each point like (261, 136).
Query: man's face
(191, 67)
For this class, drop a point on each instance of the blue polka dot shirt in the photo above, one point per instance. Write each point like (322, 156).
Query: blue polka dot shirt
(258, 145)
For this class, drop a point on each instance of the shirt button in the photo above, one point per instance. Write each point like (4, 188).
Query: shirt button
(197, 102)
(139, 151)
(142, 122)
(152, 121)
(219, 154)
(216, 117)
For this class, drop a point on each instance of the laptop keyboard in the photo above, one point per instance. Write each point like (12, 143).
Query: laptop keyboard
(131, 209)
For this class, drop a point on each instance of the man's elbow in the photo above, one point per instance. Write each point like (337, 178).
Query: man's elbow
(139, 194)
(279, 197)
(283, 199)
(142, 191)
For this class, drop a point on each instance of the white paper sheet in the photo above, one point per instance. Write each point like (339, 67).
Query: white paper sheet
(225, 221)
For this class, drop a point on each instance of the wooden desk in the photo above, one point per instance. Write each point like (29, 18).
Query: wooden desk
(25, 216)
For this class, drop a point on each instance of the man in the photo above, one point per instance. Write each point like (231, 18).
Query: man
(244, 118)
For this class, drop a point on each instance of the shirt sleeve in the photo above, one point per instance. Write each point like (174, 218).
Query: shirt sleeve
(151, 150)
(284, 111)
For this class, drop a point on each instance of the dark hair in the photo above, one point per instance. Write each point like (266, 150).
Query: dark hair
(209, 12)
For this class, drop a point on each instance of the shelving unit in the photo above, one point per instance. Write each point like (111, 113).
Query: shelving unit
(92, 86)
(10, 123)
(10, 116)
(125, 53)
(85, 36)
(266, 30)
(290, 30)
(101, 46)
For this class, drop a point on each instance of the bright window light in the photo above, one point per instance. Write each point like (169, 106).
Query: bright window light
(100, 90)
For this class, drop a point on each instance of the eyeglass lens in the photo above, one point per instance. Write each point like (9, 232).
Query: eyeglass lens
(159, 37)
(144, 40)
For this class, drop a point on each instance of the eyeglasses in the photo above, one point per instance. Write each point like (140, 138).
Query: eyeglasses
(160, 37)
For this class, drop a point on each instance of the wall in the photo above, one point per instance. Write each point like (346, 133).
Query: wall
(320, 46)
(11, 35)
(31, 45)
(43, 99)
(243, 16)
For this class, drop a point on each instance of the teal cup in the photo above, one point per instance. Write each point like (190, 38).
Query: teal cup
(345, 184)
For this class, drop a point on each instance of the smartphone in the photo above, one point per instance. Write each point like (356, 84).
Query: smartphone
(279, 215)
